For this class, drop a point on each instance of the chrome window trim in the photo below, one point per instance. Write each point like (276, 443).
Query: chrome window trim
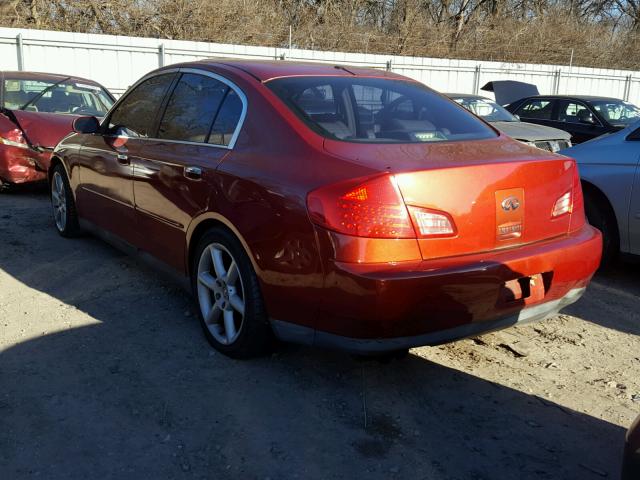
(196, 71)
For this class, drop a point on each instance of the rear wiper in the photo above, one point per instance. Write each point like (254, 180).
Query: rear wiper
(43, 93)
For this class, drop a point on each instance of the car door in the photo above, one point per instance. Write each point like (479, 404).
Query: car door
(634, 210)
(175, 173)
(537, 110)
(577, 118)
(105, 193)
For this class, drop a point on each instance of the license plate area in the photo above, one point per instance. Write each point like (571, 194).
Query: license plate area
(524, 290)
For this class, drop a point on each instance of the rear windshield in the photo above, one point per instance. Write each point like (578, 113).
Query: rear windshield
(376, 110)
(66, 96)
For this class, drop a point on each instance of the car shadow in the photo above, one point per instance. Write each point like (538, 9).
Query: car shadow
(616, 291)
(120, 383)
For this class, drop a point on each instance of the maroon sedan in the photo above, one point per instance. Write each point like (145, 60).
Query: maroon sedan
(325, 205)
(36, 112)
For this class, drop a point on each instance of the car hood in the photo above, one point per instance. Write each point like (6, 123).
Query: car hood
(530, 132)
(508, 91)
(45, 129)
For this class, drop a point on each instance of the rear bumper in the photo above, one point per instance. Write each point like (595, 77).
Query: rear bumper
(375, 308)
(290, 332)
(18, 165)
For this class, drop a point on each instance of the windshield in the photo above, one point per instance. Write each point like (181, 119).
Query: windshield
(485, 108)
(68, 96)
(376, 110)
(617, 112)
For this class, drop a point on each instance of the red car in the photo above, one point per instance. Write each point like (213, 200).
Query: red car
(333, 206)
(36, 112)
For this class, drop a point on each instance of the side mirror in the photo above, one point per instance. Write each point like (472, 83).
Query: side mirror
(86, 125)
(517, 117)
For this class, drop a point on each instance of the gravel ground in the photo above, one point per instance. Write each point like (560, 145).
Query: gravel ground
(104, 373)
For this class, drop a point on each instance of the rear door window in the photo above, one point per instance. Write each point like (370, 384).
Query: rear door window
(192, 108)
(537, 109)
(135, 116)
(575, 112)
(377, 110)
(227, 120)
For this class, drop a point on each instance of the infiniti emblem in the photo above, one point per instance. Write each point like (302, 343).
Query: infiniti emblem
(510, 203)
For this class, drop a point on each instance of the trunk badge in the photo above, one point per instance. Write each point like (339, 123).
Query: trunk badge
(510, 214)
(510, 203)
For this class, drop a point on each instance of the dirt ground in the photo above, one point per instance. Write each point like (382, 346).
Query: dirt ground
(104, 373)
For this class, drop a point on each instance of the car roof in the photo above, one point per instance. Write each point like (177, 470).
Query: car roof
(585, 98)
(465, 95)
(264, 70)
(52, 77)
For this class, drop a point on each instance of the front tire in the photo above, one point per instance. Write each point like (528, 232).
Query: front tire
(232, 312)
(63, 204)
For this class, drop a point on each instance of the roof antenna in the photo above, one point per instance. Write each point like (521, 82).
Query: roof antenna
(340, 67)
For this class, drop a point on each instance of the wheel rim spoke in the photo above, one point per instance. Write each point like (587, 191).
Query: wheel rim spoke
(218, 262)
(237, 303)
(229, 326)
(232, 274)
(206, 279)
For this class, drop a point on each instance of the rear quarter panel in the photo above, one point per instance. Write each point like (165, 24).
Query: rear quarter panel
(609, 164)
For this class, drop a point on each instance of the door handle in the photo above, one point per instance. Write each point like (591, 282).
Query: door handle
(194, 173)
(123, 159)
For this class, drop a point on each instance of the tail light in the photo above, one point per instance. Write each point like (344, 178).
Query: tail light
(374, 208)
(363, 208)
(430, 223)
(13, 138)
(571, 202)
(562, 205)
(577, 208)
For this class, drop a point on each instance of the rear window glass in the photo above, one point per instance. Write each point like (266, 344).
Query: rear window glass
(65, 96)
(375, 110)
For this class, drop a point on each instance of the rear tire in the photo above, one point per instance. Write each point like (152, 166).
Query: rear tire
(229, 300)
(65, 215)
(599, 215)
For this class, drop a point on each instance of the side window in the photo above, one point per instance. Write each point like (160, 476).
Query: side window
(227, 119)
(192, 108)
(135, 115)
(539, 109)
(573, 112)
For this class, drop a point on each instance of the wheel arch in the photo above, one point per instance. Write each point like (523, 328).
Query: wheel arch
(593, 191)
(199, 226)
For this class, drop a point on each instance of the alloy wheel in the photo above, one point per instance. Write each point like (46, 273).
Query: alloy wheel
(221, 293)
(59, 201)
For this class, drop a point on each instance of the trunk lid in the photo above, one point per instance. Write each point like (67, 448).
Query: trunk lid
(500, 193)
(45, 129)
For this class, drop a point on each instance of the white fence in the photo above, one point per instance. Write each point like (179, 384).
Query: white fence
(117, 61)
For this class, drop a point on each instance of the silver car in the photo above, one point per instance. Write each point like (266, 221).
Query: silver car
(610, 173)
(539, 136)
